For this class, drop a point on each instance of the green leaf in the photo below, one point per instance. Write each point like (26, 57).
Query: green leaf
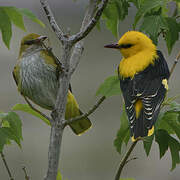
(110, 87)
(127, 179)
(170, 120)
(123, 134)
(14, 130)
(122, 7)
(174, 106)
(30, 15)
(152, 25)
(26, 108)
(173, 122)
(162, 138)
(148, 143)
(3, 139)
(174, 146)
(11, 129)
(110, 15)
(15, 16)
(172, 34)
(116, 10)
(5, 26)
(59, 176)
(162, 123)
(145, 7)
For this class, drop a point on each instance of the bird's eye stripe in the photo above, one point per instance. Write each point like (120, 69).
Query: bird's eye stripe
(29, 42)
(126, 46)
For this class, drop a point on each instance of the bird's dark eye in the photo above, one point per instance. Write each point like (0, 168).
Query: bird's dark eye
(126, 46)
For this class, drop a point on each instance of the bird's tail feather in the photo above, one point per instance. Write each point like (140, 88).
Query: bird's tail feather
(140, 128)
(72, 110)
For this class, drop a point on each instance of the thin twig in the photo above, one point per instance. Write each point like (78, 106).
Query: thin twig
(6, 165)
(82, 34)
(52, 20)
(25, 173)
(131, 159)
(124, 160)
(39, 112)
(67, 122)
(175, 63)
(78, 48)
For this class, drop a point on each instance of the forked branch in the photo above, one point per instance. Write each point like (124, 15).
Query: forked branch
(84, 32)
(69, 60)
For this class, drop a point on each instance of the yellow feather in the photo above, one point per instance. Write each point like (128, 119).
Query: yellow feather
(139, 56)
(165, 83)
(138, 107)
(151, 131)
(23, 47)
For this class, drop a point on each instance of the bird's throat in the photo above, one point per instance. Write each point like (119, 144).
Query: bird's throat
(130, 66)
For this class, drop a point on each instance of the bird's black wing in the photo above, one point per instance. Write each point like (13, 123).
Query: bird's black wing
(145, 86)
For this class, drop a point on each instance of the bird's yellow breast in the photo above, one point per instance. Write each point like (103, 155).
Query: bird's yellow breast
(129, 66)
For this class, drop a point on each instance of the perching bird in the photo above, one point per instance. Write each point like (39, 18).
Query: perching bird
(143, 74)
(36, 75)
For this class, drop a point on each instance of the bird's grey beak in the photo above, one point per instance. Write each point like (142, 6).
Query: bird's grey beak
(114, 46)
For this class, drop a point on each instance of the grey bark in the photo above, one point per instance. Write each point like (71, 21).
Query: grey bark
(69, 60)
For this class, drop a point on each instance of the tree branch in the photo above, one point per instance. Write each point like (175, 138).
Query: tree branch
(52, 20)
(67, 122)
(175, 63)
(124, 160)
(85, 31)
(33, 108)
(6, 165)
(57, 125)
(25, 173)
(78, 48)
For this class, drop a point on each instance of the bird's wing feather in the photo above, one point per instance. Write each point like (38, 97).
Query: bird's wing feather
(146, 86)
(16, 76)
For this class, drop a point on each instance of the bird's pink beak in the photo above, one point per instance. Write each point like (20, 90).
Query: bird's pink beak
(41, 38)
(38, 40)
(114, 46)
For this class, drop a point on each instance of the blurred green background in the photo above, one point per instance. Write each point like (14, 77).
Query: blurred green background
(92, 155)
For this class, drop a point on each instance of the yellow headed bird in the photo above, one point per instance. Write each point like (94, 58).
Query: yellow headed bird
(143, 74)
(36, 75)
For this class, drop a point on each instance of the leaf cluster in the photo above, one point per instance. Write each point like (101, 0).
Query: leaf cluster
(153, 17)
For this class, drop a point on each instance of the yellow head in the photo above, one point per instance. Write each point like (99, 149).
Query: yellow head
(133, 42)
(29, 41)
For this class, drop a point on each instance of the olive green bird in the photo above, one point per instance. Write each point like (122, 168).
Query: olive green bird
(36, 75)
